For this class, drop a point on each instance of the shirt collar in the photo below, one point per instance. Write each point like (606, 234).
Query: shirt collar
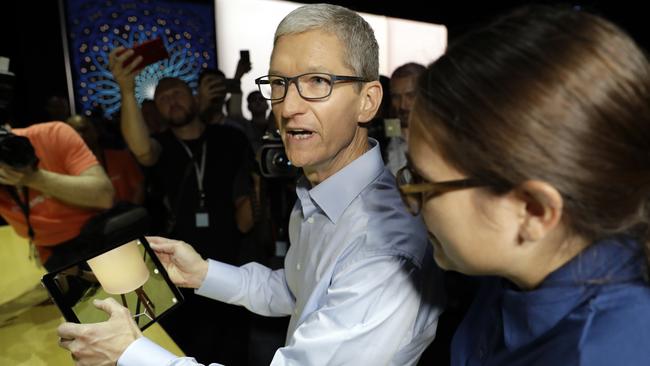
(529, 314)
(334, 194)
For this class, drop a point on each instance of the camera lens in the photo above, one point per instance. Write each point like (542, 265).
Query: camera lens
(281, 161)
(280, 164)
(16, 151)
(274, 162)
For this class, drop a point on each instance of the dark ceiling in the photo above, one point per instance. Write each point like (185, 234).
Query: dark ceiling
(460, 15)
(31, 35)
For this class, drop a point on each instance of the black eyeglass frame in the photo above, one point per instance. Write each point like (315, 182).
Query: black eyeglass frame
(288, 80)
(427, 190)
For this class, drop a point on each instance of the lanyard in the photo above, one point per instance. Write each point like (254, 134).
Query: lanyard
(24, 206)
(199, 170)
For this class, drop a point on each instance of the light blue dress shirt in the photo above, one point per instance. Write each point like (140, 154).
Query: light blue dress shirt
(359, 281)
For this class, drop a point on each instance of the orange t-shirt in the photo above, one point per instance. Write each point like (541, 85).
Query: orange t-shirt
(60, 150)
(124, 173)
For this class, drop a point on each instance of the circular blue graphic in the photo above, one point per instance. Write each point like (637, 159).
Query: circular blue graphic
(95, 28)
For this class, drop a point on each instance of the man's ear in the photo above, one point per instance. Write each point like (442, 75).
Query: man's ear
(541, 210)
(370, 102)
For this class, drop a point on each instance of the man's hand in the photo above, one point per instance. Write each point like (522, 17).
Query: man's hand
(124, 74)
(15, 177)
(103, 343)
(184, 265)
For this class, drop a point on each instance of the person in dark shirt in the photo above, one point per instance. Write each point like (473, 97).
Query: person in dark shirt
(529, 162)
(203, 172)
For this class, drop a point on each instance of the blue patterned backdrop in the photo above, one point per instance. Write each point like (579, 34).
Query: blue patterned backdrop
(95, 27)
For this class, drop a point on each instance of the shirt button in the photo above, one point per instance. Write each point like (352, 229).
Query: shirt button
(298, 266)
(310, 220)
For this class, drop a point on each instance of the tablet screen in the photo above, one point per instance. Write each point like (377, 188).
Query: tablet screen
(128, 272)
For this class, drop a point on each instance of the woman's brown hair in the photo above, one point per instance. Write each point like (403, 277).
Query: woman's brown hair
(553, 94)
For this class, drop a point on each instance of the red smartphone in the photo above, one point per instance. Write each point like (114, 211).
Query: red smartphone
(151, 51)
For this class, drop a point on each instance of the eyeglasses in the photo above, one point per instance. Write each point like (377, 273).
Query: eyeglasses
(311, 86)
(413, 188)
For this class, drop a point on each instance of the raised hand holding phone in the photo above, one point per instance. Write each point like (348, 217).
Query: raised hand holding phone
(243, 65)
(151, 51)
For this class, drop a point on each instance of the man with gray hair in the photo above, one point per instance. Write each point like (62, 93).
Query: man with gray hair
(359, 282)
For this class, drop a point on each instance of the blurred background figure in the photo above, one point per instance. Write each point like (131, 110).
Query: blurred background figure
(119, 164)
(213, 90)
(403, 87)
(57, 108)
(259, 122)
(152, 117)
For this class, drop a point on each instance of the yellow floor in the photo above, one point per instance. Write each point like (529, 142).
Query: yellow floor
(28, 321)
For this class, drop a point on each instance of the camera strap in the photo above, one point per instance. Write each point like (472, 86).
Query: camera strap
(24, 207)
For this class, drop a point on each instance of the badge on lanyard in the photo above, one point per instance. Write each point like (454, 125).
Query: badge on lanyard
(202, 216)
(202, 219)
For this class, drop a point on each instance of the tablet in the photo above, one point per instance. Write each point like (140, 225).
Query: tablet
(127, 271)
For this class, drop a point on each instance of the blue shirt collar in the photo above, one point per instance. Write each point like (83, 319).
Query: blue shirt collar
(529, 314)
(333, 195)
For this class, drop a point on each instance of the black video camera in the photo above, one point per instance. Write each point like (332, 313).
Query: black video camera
(272, 159)
(16, 151)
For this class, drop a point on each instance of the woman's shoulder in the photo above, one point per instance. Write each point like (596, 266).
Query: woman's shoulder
(618, 329)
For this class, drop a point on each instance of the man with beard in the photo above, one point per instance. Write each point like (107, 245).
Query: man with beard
(203, 172)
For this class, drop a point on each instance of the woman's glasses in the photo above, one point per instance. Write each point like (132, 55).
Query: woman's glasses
(414, 189)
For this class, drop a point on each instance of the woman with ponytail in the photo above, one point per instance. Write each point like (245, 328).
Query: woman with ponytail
(529, 160)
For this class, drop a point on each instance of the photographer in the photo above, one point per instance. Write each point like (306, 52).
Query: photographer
(212, 92)
(50, 185)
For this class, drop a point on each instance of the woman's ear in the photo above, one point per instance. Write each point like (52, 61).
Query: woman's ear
(541, 210)
(372, 94)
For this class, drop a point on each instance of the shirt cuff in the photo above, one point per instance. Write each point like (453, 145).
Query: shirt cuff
(223, 282)
(144, 352)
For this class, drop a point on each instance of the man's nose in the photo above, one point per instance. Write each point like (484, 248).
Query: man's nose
(293, 103)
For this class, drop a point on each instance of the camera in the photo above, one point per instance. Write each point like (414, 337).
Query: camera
(16, 151)
(272, 159)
